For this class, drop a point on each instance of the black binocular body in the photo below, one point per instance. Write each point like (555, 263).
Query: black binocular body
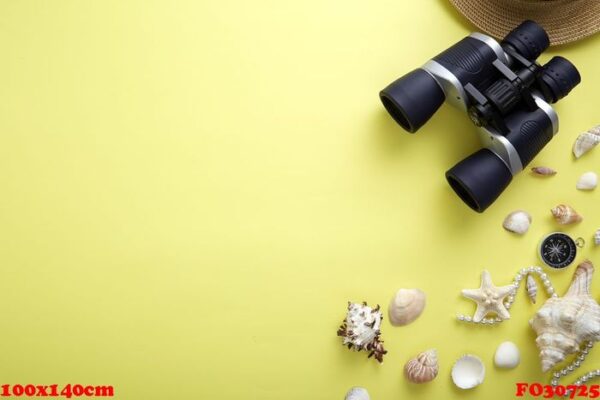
(506, 94)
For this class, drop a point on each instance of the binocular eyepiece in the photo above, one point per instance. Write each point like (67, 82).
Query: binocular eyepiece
(506, 94)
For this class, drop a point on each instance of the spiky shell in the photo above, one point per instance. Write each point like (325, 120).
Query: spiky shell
(565, 215)
(564, 323)
(586, 141)
(361, 329)
(423, 368)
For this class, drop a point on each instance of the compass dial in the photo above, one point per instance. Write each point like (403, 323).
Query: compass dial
(558, 250)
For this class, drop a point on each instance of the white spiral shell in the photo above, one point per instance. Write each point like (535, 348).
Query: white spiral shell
(564, 323)
(531, 288)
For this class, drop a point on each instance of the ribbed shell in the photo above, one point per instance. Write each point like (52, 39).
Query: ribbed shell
(423, 368)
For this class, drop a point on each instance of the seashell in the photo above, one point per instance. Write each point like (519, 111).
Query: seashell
(361, 330)
(531, 288)
(597, 238)
(423, 368)
(468, 372)
(507, 355)
(517, 222)
(588, 181)
(544, 171)
(586, 141)
(406, 306)
(564, 323)
(357, 393)
(565, 215)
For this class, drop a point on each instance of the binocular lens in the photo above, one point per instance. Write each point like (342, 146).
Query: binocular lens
(558, 78)
(413, 99)
(529, 39)
(479, 179)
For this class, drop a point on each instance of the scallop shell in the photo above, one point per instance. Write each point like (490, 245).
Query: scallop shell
(565, 215)
(587, 181)
(468, 372)
(564, 323)
(357, 393)
(423, 368)
(517, 222)
(544, 171)
(531, 288)
(597, 238)
(586, 141)
(507, 355)
(406, 306)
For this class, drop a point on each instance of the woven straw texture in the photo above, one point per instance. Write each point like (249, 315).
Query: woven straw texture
(565, 20)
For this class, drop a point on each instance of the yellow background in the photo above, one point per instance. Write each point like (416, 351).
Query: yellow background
(191, 191)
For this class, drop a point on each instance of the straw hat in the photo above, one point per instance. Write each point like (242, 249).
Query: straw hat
(564, 20)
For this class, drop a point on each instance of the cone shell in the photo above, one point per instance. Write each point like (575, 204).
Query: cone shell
(597, 238)
(517, 222)
(544, 171)
(565, 215)
(563, 324)
(586, 141)
(406, 306)
(423, 368)
(531, 288)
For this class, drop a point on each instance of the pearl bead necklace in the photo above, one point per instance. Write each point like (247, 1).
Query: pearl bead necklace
(583, 379)
(511, 298)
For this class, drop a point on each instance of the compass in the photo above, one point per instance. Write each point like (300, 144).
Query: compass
(558, 250)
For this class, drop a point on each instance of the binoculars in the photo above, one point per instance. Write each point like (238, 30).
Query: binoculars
(505, 93)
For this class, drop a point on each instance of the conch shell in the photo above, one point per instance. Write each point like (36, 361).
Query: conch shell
(423, 368)
(565, 215)
(564, 323)
(586, 141)
(406, 306)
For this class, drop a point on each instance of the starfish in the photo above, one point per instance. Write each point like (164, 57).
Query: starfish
(489, 298)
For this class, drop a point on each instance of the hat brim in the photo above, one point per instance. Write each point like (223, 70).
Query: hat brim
(565, 20)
